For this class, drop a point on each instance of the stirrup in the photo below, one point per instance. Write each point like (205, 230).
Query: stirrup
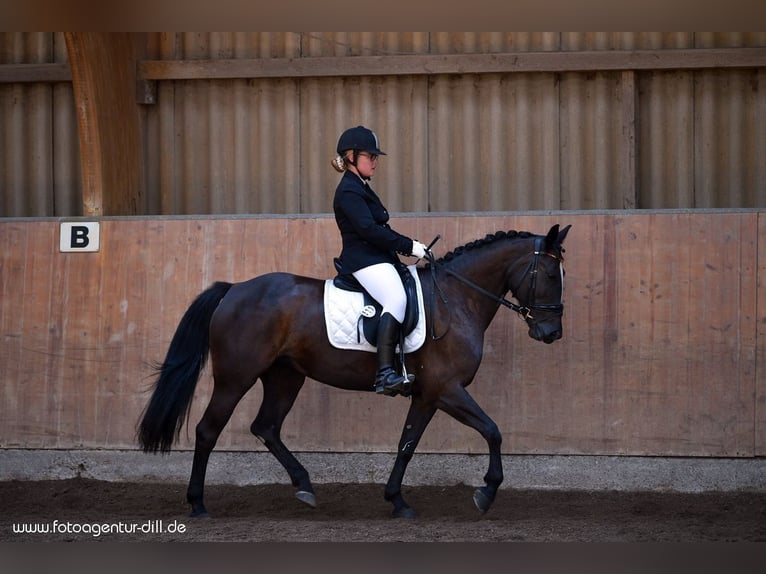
(389, 383)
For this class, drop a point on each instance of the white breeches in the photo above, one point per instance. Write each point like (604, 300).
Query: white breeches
(382, 281)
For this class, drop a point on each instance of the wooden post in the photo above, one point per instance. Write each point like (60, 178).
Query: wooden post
(103, 68)
(629, 153)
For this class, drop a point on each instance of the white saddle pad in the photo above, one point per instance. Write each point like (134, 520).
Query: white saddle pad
(343, 310)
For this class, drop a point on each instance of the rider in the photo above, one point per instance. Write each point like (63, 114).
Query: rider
(370, 246)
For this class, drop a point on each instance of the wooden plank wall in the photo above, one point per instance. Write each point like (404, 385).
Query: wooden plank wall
(662, 353)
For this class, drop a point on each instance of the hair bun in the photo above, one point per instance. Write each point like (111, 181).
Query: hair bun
(338, 164)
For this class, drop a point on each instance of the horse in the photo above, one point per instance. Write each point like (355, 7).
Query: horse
(269, 328)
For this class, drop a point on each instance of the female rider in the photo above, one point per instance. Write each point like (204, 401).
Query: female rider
(370, 246)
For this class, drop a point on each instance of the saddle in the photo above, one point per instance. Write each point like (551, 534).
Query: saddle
(372, 309)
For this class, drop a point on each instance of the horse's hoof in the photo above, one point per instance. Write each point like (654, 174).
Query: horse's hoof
(407, 513)
(201, 515)
(481, 500)
(307, 498)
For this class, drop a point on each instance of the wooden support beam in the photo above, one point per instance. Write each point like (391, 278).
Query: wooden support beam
(685, 59)
(629, 153)
(424, 64)
(26, 73)
(104, 84)
(616, 60)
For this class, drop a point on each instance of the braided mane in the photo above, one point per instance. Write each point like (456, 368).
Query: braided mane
(486, 240)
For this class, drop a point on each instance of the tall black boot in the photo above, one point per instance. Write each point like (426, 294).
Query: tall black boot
(387, 380)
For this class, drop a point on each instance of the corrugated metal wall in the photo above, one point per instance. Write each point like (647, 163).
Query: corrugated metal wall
(472, 142)
(39, 153)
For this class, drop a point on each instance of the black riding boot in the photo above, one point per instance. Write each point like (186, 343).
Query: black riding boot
(387, 380)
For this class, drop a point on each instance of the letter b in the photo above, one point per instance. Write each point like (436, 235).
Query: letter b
(79, 237)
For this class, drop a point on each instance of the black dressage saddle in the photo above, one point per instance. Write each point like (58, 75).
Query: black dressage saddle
(348, 282)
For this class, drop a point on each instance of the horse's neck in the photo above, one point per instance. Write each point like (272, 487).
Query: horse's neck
(488, 267)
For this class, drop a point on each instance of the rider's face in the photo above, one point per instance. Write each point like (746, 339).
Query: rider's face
(366, 164)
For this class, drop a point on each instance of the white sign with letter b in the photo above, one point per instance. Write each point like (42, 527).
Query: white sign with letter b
(79, 236)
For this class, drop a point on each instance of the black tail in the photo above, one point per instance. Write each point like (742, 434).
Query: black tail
(174, 388)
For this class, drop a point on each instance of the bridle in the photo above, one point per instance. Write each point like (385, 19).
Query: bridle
(557, 308)
(525, 311)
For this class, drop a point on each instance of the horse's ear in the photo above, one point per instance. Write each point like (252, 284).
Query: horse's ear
(555, 237)
(550, 239)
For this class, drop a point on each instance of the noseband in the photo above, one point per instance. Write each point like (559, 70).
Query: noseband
(525, 311)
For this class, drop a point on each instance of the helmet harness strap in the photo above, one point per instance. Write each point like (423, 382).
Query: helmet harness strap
(355, 153)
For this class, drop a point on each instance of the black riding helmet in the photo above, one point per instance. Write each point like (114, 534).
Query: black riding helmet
(359, 139)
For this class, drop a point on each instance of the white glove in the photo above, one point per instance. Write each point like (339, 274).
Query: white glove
(418, 249)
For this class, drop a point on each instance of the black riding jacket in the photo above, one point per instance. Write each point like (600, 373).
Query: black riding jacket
(363, 223)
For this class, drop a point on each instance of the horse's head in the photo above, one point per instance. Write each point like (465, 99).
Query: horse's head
(539, 286)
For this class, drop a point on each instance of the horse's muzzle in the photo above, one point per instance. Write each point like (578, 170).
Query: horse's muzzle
(545, 333)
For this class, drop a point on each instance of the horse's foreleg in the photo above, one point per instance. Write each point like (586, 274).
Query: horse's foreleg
(418, 418)
(281, 386)
(461, 406)
(217, 414)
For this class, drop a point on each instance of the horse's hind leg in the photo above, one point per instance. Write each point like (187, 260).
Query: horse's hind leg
(217, 414)
(281, 385)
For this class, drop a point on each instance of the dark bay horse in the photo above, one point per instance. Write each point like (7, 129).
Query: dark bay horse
(271, 328)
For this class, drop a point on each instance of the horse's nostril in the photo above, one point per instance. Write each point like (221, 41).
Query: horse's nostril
(551, 337)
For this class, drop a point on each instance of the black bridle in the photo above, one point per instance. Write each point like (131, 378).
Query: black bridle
(525, 311)
(532, 272)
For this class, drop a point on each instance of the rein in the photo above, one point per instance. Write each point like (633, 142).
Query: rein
(525, 311)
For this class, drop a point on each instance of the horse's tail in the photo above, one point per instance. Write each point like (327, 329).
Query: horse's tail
(178, 374)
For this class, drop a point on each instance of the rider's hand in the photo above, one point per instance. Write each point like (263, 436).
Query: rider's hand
(418, 249)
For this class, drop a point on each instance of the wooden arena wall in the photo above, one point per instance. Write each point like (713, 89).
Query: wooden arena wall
(663, 350)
